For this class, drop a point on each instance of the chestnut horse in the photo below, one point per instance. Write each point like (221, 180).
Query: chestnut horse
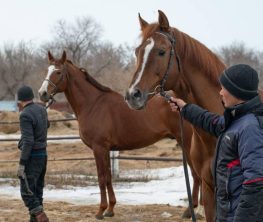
(106, 122)
(168, 59)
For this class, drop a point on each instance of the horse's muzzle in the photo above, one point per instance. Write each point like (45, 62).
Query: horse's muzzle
(135, 99)
(44, 96)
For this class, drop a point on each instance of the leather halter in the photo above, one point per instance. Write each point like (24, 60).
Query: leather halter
(55, 86)
(172, 40)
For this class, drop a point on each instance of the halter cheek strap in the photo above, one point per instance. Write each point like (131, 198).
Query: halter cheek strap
(55, 88)
(160, 87)
(51, 83)
(56, 85)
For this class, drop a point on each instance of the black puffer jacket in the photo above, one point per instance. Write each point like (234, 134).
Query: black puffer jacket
(33, 126)
(238, 163)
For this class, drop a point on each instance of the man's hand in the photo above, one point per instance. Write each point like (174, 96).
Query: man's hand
(21, 171)
(176, 104)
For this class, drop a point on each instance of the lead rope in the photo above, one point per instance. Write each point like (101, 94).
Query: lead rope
(50, 102)
(187, 181)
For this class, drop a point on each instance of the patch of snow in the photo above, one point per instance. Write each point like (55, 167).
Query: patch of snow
(168, 188)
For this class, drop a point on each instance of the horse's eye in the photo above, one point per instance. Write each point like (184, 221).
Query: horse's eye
(58, 72)
(161, 52)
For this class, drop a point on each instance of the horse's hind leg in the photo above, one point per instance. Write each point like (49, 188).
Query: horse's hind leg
(111, 195)
(100, 155)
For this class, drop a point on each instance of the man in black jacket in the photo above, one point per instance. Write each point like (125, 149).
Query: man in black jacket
(238, 165)
(33, 158)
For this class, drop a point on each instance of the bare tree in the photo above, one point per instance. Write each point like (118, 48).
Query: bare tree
(238, 52)
(16, 67)
(106, 58)
(78, 38)
(112, 66)
(82, 42)
(26, 64)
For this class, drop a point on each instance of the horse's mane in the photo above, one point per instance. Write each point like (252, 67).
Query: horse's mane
(189, 48)
(90, 79)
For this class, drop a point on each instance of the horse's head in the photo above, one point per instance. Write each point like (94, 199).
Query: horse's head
(156, 59)
(56, 78)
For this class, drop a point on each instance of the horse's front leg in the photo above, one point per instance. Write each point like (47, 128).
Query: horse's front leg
(195, 193)
(111, 195)
(100, 158)
(208, 197)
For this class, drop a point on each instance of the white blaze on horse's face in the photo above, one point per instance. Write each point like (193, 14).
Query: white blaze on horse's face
(45, 83)
(147, 51)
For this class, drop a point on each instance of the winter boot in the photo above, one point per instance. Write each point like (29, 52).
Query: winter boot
(42, 217)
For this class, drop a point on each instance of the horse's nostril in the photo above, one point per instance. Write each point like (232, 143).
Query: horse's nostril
(137, 93)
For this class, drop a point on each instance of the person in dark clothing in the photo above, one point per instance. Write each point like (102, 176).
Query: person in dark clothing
(238, 162)
(33, 158)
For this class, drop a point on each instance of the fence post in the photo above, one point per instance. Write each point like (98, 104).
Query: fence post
(114, 163)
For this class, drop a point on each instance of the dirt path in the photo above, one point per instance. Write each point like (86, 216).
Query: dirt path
(14, 211)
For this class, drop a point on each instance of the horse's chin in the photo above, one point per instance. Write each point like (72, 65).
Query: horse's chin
(138, 107)
(45, 99)
(135, 106)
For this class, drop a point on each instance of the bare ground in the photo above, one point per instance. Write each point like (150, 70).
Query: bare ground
(14, 210)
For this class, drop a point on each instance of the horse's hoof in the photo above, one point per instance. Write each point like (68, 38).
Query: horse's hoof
(198, 216)
(99, 217)
(109, 214)
(186, 214)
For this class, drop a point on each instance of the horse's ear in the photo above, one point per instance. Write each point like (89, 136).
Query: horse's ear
(163, 21)
(50, 56)
(143, 23)
(63, 57)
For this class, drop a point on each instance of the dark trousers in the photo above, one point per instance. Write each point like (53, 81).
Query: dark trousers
(35, 171)
(251, 204)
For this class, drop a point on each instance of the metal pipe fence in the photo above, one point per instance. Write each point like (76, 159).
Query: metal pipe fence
(48, 138)
(113, 157)
(168, 159)
(51, 120)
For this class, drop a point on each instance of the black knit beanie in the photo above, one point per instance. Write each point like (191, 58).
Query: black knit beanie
(25, 93)
(241, 81)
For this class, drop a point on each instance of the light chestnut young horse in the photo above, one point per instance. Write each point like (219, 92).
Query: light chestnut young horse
(107, 123)
(172, 60)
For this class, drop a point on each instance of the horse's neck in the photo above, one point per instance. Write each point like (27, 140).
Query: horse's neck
(81, 94)
(202, 91)
(201, 69)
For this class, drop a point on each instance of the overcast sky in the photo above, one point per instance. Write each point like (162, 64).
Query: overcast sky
(213, 22)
